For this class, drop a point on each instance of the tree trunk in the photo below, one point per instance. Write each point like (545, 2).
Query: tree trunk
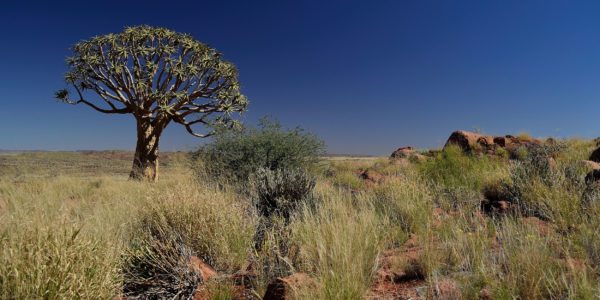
(145, 161)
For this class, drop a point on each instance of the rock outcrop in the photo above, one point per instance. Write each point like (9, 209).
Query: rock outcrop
(472, 142)
(407, 152)
(595, 156)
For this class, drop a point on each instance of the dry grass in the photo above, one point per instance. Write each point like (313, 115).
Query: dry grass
(68, 236)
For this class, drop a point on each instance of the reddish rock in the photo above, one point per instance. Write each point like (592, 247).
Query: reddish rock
(591, 165)
(403, 152)
(205, 271)
(286, 288)
(469, 142)
(371, 176)
(407, 153)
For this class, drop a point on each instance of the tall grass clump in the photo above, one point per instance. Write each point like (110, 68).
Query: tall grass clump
(453, 169)
(457, 178)
(406, 202)
(542, 187)
(62, 238)
(236, 155)
(216, 225)
(159, 263)
(280, 196)
(339, 243)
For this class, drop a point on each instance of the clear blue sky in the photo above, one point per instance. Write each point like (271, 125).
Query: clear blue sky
(366, 76)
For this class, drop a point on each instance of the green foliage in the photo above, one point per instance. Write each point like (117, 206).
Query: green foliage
(453, 170)
(158, 75)
(237, 155)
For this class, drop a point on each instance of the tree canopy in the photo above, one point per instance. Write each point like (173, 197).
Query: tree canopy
(157, 75)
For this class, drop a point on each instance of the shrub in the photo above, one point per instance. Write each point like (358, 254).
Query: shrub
(158, 265)
(237, 155)
(280, 192)
(542, 188)
(214, 224)
(204, 221)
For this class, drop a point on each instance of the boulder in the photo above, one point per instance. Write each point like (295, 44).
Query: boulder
(403, 152)
(595, 156)
(205, 271)
(287, 288)
(592, 176)
(470, 142)
(591, 165)
(371, 176)
(407, 153)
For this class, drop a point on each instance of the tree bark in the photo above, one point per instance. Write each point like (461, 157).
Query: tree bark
(145, 161)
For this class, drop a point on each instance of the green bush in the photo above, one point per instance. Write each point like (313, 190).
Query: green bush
(236, 155)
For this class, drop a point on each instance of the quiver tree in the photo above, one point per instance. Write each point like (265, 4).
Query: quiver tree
(158, 76)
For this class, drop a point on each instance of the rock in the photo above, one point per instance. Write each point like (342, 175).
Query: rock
(286, 288)
(472, 142)
(469, 142)
(403, 152)
(447, 289)
(591, 165)
(407, 153)
(595, 156)
(592, 176)
(205, 271)
(371, 176)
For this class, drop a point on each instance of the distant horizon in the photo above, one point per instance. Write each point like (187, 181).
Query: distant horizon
(365, 78)
(326, 154)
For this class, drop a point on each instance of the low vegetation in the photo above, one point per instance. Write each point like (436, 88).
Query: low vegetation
(418, 229)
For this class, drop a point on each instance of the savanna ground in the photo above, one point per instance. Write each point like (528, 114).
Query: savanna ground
(73, 227)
